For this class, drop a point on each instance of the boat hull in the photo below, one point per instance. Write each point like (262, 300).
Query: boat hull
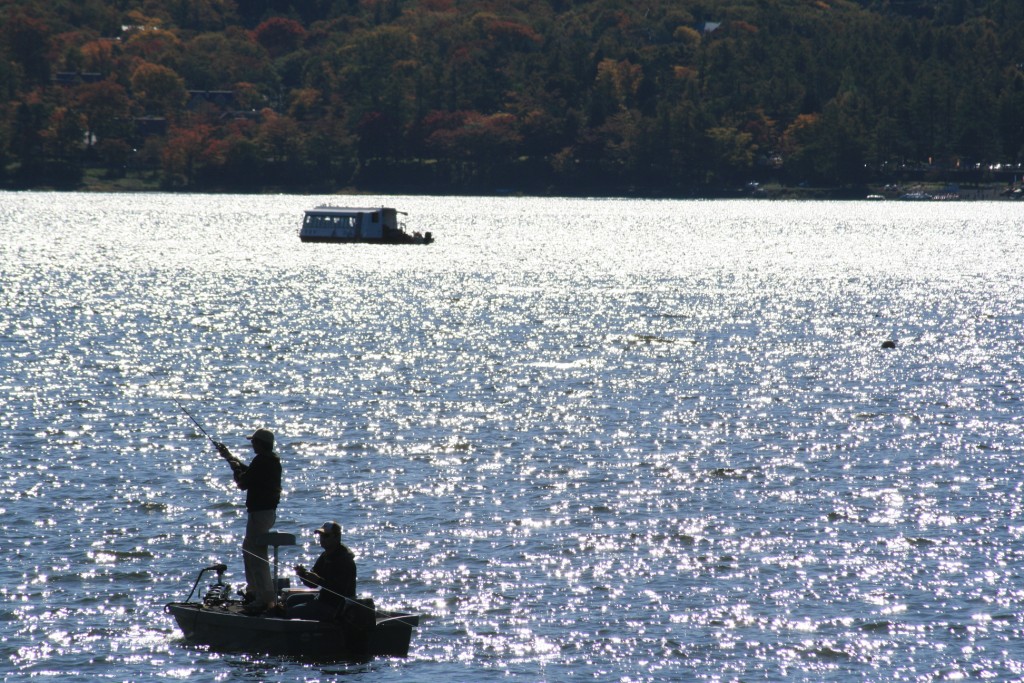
(406, 239)
(227, 628)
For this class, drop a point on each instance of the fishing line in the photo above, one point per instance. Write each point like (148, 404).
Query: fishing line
(213, 442)
(323, 588)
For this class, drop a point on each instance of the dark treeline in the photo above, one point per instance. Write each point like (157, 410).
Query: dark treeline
(657, 97)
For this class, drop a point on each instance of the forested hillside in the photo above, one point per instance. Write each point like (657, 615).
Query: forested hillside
(658, 97)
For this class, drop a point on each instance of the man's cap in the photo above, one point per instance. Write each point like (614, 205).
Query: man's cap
(329, 529)
(264, 435)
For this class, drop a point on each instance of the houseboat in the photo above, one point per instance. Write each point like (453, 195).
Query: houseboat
(345, 224)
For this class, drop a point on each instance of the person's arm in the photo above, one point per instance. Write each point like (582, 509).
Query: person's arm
(310, 579)
(238, 468)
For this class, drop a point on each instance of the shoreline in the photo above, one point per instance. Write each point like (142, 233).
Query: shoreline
(916, 191)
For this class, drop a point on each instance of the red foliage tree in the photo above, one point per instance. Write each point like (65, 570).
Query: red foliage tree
(279, 35)
(188, 150)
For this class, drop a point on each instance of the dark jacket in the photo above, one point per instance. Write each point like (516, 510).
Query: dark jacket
(336, 571)
(261, 481)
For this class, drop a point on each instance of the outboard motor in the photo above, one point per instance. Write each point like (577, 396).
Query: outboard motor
(217, 594)
(219, 588)
(220, 592)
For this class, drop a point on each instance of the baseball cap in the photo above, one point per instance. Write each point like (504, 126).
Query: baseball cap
(264, 435)
(330, 529)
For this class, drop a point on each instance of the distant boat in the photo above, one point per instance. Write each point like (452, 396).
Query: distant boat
(359, 631)
(346, 224)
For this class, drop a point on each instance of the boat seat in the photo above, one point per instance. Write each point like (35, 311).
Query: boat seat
(277, 539)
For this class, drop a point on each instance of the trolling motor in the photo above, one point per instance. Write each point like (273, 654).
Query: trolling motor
(218, 592)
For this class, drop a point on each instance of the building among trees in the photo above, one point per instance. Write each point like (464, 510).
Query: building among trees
(671, 98)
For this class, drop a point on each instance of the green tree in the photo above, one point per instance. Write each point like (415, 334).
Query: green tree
(732, 154)
(216, 61)
(63, 143)
(244, 166)
(1011, 116)
(27, 42)
(932, 107)
(201, 15)
(160, 90)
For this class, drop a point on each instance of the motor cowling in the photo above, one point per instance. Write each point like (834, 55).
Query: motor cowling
(218, 594)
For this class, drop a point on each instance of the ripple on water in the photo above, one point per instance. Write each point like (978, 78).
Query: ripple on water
(618, 440)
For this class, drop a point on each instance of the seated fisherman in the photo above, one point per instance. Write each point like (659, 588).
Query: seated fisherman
(334, 573)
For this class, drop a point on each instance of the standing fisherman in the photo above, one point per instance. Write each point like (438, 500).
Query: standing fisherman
(261, 480)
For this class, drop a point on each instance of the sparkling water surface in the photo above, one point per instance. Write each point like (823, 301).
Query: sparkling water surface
(605, 440)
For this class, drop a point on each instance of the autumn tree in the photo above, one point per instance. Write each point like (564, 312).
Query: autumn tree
(279, 137)
(154, 45)
(189, 151)
(602, 96)
(279, 35)
(99, 56)
(106, 108)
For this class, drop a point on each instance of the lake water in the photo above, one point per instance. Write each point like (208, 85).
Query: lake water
(605, 440)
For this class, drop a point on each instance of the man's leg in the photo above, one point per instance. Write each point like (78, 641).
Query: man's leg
(257, 561)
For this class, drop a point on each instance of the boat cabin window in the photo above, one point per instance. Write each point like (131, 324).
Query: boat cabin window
(329, 222)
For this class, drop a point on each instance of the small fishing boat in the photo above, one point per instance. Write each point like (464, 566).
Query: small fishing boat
(358, 632)
(345, 224)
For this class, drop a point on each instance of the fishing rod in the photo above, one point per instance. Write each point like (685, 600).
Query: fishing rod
(196, 422)
(218, 446)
